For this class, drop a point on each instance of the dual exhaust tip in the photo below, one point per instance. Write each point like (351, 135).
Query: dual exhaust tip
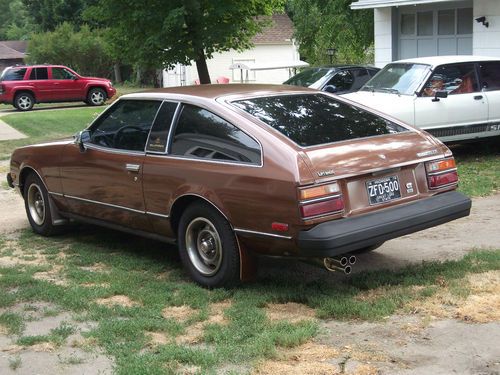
(342, 264)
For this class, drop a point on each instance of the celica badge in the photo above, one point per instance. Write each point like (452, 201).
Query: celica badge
(427, 153)
(328, 172)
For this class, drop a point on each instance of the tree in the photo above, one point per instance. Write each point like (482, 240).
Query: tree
(14, 20)
(162, 33)
(84, 50)
(323, 24)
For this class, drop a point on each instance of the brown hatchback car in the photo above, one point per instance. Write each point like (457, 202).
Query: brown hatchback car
(234, 171)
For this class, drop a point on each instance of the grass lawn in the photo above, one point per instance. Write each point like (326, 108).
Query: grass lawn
(151, 319)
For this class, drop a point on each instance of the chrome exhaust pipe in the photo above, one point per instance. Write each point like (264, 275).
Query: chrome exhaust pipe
(331, 265)
(338, 261)
(352, 259)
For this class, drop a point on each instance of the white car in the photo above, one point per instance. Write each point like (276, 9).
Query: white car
(452, 97)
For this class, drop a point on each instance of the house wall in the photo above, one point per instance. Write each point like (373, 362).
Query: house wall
(219, 65)
(486, 40)
(383, 28)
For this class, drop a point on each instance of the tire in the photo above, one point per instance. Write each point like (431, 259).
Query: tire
(96, 96)
(36, 203)
(208, 248)
(367, 249)
(24, 101)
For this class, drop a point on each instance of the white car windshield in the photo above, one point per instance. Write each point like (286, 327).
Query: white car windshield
(398, 78)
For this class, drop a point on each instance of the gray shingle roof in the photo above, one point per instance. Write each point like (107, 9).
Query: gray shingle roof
(7, 53)
(279, 32)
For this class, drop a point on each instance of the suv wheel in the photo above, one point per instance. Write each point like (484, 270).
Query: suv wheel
(24, 101)
(96, 96)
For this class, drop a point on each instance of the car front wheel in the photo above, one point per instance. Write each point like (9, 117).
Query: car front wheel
(208, 247)
(96, 96)
(36, 203)
(24, 101)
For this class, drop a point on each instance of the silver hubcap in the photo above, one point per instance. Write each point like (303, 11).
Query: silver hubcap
(24, 102)
(36, 204)
(97, 97)
(204, 246)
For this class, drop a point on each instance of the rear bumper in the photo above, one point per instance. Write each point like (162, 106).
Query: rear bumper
(342, 236)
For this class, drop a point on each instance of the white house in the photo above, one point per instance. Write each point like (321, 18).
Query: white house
(274, 44)
(419, 28)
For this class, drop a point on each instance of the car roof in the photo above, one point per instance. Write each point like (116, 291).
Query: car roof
(216, 91)
(440, 60)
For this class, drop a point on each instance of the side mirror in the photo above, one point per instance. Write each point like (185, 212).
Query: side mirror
(440, 94)
(330, 88)
(81, 138)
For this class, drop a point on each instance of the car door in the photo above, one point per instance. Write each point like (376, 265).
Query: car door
(39, 80)
(489, 73)
(66, 85)
(105, 180)
(465, 105)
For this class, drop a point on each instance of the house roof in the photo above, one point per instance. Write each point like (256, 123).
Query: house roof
(370, 4)
(7, 53)
(17, 45)
(279, 32)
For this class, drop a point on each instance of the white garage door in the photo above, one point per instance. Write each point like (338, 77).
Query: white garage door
(430, 32)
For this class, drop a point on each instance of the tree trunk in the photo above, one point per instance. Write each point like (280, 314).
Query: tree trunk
(138, 75)
(118, 73)
(201, 66)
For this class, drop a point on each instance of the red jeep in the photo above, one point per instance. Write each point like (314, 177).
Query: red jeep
(23, 86)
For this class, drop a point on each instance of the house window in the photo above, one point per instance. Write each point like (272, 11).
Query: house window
(425, 23)
(408, 24)
(248, 75)
(464, 23)
(446, 22)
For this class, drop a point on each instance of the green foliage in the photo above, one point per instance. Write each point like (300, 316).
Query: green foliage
(162, 33)
(15, 23)
(83, 50)
(323, 24)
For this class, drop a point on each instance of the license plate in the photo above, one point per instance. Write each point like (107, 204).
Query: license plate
(383, 190)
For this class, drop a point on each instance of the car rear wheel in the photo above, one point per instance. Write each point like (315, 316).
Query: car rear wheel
(24, 101)
(208, 247)
(36, 202)
(96, 96)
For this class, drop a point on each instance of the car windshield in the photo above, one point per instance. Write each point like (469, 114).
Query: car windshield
(314, 119)
(398, 78)
(307, 77)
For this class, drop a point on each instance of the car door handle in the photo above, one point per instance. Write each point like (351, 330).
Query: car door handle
(132, 167)
(478, 97)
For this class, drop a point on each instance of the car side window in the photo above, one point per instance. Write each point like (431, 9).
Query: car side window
(126, 125)
(157, 141)
(39, 73)
(490, 75)
(14, 74)
(202, 134)
(361, 76)
(61, 73)
(342, 80)
(454, 79)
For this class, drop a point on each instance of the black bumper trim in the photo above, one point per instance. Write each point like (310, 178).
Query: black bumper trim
(342, 236)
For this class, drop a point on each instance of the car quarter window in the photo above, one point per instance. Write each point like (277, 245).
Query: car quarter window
(61, 73)
(202, 134)
(490, 75)
(39, 73)
(14, 74)
(454, 78)
(157, 141)
(126, 125)
(342, 80)
(361, 76)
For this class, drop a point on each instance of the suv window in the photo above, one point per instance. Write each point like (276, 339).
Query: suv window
(61, 73)
(202, 134)
(39, 73)
(490, 75)
(361, 76)
(126, 125)
(455, 79)
(14, 74)
(311, 120)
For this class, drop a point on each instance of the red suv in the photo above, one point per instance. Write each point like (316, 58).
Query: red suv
(23, 86)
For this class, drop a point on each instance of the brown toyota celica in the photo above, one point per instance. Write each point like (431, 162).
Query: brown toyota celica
(229, 172)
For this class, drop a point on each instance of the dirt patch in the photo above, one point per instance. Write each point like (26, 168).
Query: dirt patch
(96, 267)
(307, 359)
(53, 276)
(178, 313)
(3, 330)
(11, 349)
(183, 369)
(119, 300)
(43, 347)
(157, 338)
(291, 311)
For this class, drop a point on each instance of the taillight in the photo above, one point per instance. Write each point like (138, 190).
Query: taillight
(320, 200)
(441, 173)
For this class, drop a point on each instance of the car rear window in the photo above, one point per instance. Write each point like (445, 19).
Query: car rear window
(315, 119)
(307, 77)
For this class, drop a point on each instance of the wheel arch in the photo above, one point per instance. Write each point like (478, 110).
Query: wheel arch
(96, 86)
(23, 90)
(23, 174)
(182, 202)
